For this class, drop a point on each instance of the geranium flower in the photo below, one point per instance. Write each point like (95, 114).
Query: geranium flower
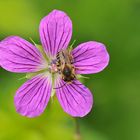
(20, 56)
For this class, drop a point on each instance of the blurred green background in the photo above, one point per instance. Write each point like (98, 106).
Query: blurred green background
(116, 111)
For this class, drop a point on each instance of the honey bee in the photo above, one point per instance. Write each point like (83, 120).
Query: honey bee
(65, 67)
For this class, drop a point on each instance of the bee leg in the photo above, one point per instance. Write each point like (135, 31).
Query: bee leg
(62, 76)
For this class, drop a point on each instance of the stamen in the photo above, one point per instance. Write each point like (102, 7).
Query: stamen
(53, 66)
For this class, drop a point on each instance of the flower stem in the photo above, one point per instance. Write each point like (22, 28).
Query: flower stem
(77, 135)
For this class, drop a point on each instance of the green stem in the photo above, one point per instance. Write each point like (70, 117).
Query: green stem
(77, 130)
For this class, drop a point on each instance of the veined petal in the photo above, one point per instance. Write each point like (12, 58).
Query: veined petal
(55, 32)
(90, 57)
(32, 97)
(75, 98)
(18, 55)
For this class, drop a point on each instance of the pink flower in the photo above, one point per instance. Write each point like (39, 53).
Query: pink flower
(18, 55)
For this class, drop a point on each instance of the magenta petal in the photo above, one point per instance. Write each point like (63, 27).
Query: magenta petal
(55, 32)
(18, 55)
(75, 98)
(32, 97)
(90, 57)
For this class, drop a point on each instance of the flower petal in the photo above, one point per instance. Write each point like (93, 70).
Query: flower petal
(75, 98)
(90, 57)
(18, 55)
(32, 97)
(55, 32)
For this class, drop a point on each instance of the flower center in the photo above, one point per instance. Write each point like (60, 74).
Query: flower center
(53, 67)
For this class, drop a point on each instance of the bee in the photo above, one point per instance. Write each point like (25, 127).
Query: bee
(65, 67)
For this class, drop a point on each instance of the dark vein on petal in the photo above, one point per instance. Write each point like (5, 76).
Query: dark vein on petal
(80, 53)
(62, 99)
(34, 80)
(60, 41)
(58, 48)
(24, 57)
(17, 63)
(45, 43)
(83, 52)
(79, 92)
(82, 96)
(68, 101)
(80, 47)
(47, 89)
(60, 95)
(83, 89)
(26, 86)
(32, 49)
(83, 70)
(37, 91)
(71, 95)
(76, 51)
(42, 95)
(20, 46)
(28, 89)
(49, 39)
(84, 59)
(79, 65)
(24, 69)
(66, 39)
(55, 38)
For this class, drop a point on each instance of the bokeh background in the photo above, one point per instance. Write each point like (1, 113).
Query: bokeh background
(116, 112)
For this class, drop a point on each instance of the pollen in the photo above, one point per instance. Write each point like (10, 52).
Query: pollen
(53, 67)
